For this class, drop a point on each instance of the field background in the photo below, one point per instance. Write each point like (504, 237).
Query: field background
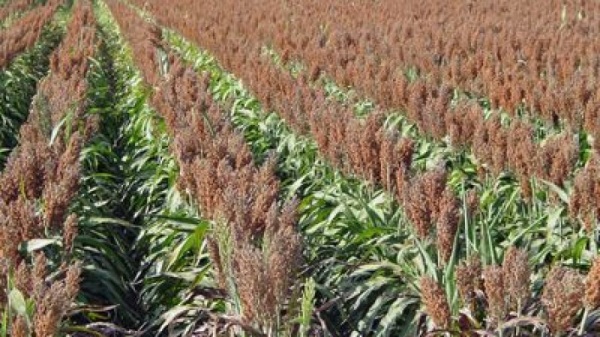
(308, 168)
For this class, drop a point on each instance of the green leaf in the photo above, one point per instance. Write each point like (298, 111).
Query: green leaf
(17, 302)
(111, 221)
(82, 329)
(562, 194)
(394, 314)
(579, 248)
(38, 244)
(171, 315)
(4, 325)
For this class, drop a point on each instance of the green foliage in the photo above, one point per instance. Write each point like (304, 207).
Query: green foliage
(127, 177)
(307, 307)
(143, 244)
(138, 236)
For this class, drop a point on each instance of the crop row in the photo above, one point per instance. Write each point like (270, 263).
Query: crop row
(19, 82)
(25, 32)
(218, 170)
(14, 7)
(44, 170)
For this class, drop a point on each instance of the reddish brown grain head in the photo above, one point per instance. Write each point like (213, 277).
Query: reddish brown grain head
(469, 280)
(495, 292)
(516, 277)
(447, 224)
(592, 286)
(435, 303)
(562, 297)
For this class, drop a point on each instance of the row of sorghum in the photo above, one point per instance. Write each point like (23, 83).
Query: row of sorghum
(42, 173)
(144, 39)
(363, 147)
(254, 244)
(218, 171)
(506, 293)
(513, 148)
(14, 7)
(24, 33)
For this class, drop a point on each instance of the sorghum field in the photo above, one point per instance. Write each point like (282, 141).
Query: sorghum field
(274, 168)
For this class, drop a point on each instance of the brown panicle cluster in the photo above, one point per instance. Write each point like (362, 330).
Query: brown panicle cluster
(469, 280)
(62, 93)
(562, 297)
(255, 247)
(514, 72)
(429, 202)
(413, 55)
(557, 158)
(52, 299)
(344, 140)
(447, 224)
(218, 170)
(495, 293)
(584, 202)
(13, 7)
(215, 161)
(39, 172)
(58, 177)
(507, 286)
(592, 286)
(514, 148)
(435, 302)
(418, 210)
(264, 276)
(144, 39)
(24, 33)
(361, 147)
(521, 148)
(517, 273)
